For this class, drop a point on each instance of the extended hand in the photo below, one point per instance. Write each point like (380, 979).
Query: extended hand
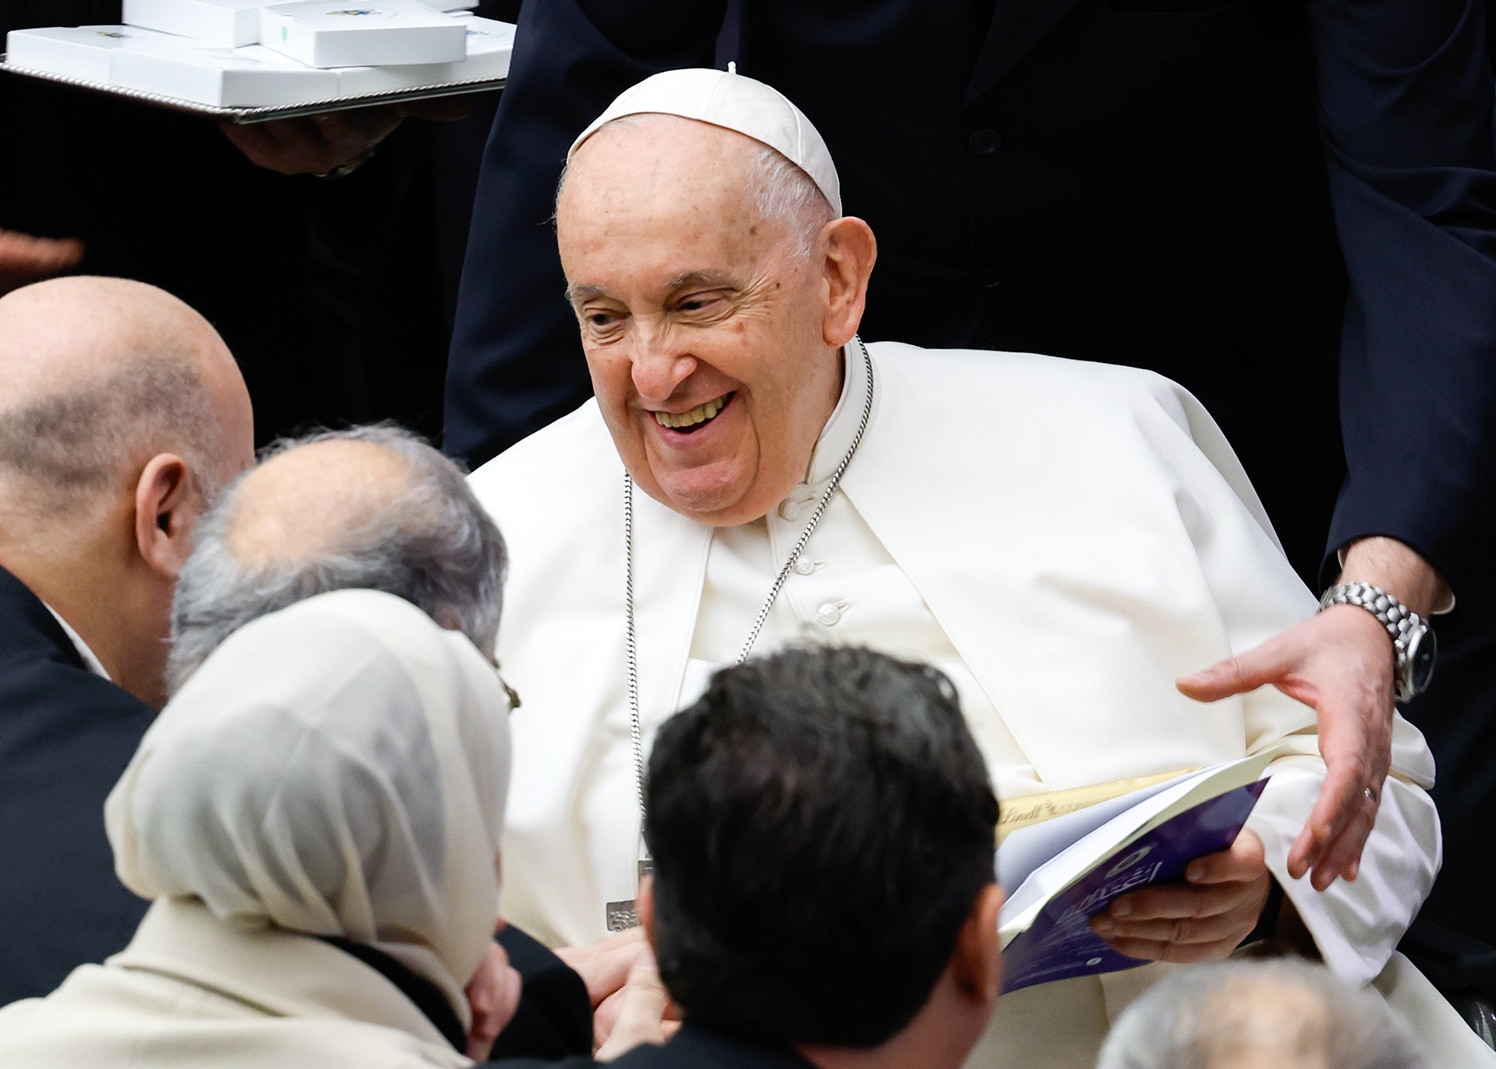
(604, 967)
(321, 144)
(493, 993)
(24, 258)
(1202, 919)
(1339, 662)
(643, 1007)
(317, 144)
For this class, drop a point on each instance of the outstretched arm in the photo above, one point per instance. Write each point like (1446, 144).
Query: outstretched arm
(1340, 662)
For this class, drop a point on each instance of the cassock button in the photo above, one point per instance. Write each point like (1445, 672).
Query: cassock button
(789, 510)
(829, 614)
(984, 142)
(804, 565)
(989, 278)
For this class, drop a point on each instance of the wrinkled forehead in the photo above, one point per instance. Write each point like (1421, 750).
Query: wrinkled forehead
(645, 189)
(653, 156)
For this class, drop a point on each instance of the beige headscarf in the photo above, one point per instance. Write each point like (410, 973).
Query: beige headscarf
(335, 768)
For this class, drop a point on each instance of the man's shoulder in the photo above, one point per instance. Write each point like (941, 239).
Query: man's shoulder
(553, 459)
(933, 369)
(990, 394)
(43, 683)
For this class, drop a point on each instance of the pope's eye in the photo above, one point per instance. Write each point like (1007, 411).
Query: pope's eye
(600, 320)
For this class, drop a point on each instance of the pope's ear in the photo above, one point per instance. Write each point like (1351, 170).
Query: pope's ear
(851, 250)
(166, 508)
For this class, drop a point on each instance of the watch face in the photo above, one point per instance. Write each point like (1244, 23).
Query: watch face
(1422, 648)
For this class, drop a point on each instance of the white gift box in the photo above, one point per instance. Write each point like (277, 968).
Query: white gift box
(319, 33)
(74, 51)
(250, 77)
(220, 23)
(489, 46)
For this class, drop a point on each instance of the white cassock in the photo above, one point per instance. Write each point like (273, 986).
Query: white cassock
(1062, 539)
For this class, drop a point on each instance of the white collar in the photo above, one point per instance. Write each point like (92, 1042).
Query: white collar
(90, 659)
(836, 437)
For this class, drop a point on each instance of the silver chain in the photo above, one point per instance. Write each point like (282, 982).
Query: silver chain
(636, 734)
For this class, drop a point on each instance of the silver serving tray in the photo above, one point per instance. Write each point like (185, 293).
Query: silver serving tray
(280, 111)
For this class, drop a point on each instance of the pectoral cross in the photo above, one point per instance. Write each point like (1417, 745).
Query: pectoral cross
(621, 916)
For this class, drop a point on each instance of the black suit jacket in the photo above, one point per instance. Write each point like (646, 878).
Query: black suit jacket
(1150, 182)
(690, 1048)
(65, 738)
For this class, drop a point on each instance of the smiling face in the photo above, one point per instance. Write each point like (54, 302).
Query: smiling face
(713, 343)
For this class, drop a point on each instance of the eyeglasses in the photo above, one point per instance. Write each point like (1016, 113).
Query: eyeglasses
(509, 692)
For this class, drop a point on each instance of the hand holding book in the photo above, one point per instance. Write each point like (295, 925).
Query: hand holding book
(1203, 918)
(1174, 852)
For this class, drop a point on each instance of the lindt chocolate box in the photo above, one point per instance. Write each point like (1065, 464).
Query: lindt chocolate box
(489, 46)
(220, 23)
(319, 33)
(85, 52)
(249, 77)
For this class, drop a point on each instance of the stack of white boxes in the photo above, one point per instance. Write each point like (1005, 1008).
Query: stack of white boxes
(258, 53)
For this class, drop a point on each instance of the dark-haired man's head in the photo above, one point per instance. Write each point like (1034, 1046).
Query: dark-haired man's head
(821, 823)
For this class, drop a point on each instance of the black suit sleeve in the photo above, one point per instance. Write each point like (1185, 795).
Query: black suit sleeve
(516, 363)
(1405, 89)
(65, 737)
(554, 1018)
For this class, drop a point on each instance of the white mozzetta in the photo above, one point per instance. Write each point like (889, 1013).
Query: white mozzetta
(1073, 548)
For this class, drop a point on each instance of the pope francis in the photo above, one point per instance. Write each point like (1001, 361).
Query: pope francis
(1062, 540)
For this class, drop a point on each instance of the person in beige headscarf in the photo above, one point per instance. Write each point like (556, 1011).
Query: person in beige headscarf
(316, 815)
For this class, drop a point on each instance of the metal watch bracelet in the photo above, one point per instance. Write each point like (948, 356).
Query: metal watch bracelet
(1412, 639)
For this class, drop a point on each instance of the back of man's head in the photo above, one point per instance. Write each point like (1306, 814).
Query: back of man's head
(1258, 1014)
(367, 508)
(821, 824)
(122, 414)
(100, 375)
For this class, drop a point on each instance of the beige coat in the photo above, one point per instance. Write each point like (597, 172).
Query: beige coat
(191, 990)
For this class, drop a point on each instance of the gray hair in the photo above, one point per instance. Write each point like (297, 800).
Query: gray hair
(1292, 1012)
(80, 442)
(781, 191)
(439, 549)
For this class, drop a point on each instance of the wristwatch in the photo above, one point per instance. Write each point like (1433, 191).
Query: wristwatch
(1412, 639)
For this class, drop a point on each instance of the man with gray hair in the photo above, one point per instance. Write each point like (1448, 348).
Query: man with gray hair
(1283, 1013)
(371, 507)
(122, 413)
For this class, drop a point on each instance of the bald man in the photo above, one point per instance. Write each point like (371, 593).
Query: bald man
(1279, 1013)
(371, 507)
(123, 413)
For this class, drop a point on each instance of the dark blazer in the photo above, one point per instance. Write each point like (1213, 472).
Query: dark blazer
(1150, 182)
(554, 1016)
(65, 738)
(690, 1048)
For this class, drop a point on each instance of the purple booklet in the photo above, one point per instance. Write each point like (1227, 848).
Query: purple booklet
(1060, 944)
(1068, 870)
